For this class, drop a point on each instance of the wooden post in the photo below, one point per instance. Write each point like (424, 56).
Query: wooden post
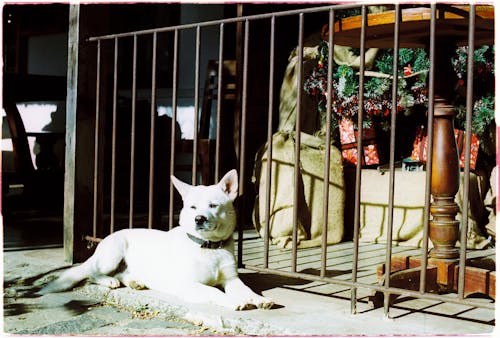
(69, 177)
(84, 20)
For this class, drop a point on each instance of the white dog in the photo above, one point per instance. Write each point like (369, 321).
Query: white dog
(187, 261)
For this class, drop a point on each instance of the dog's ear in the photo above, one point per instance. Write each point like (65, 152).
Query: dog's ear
(181, 187)
(229, 184)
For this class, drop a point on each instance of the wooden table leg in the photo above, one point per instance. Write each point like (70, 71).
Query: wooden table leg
(444, 229)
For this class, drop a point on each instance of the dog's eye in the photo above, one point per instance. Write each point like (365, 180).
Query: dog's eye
(193, 207)
(213, 205)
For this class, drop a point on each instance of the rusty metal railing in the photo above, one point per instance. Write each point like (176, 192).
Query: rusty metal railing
(354, 284)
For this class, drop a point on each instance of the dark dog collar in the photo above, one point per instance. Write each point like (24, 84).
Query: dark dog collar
(207, 244)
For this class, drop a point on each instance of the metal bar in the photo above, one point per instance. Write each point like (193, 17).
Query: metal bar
(113, 141)
(174, 120)
(220, 100)
(468, 131)
(196, 106)
(430, 138)
(225, 21)
(328, 141)
(392, 147)
(152, 134)
(238, 79)
(241, 183)
(93, 239)
(132, 135)
(357, 194)
(296, 183)
(375, 287)
(96, 138)
(269, 143)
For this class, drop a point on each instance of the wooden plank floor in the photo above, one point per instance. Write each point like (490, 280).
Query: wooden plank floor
(339, 266)
(339, 258)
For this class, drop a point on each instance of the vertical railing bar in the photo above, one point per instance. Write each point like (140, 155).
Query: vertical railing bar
(357, 195)
(241, 183)
(430, 138)
(466, 174)
(269, 143)
(132, 135)
(196, 127)
(297, 171)
(392, 147)
(113, 140)
(220, 99)
(174, 121)
(238, 77)
(328, 141)
(96, 139)
(152, 134)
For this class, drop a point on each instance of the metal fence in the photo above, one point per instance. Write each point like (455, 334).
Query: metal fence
(108, 47)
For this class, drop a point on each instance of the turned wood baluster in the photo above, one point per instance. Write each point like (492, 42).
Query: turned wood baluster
(444, 228)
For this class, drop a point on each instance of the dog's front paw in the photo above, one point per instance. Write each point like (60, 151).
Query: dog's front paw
(236, 304)
(254, 302)
(263, 303)
(244, 306)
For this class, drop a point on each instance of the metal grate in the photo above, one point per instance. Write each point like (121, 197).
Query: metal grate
(323, 256)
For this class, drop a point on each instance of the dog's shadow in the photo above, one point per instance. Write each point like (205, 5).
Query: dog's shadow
(21, 294)
(260, 282)
(28, 287)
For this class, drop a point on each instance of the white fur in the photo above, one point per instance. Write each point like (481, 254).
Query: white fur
(170, 261)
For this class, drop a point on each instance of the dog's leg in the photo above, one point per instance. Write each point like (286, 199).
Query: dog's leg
(67, 279)
(201, 293)
(105, 262)
(107, 281)
(236, 289)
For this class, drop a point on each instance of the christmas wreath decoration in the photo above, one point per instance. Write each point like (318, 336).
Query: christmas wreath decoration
(413, 66)
(412, 89)
(483, 114)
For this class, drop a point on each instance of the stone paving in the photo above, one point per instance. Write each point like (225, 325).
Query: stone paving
(73, 313)
(91, 318)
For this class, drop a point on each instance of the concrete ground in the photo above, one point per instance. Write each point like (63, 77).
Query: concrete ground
(94, 310)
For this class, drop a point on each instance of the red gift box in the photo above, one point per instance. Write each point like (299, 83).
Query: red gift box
(348, 139)
(419, 152)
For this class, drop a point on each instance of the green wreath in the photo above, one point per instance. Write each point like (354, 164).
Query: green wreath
(377, 103)
(413, 66)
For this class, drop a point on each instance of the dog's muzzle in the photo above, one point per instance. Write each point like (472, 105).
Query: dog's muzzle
(202, 223)
(200, 220)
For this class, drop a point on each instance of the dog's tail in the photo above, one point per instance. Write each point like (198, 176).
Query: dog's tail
(67, 279)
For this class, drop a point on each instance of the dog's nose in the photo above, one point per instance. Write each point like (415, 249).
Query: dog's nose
(200, 220)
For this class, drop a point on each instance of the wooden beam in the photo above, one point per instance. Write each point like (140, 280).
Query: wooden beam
(84, 21)
(70, 157)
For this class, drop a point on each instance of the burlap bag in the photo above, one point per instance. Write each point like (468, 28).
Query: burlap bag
(409, 203)
(310, 205)
(490, 203)
(310, 208)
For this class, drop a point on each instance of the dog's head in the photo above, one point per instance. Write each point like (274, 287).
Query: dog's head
(208, 211)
